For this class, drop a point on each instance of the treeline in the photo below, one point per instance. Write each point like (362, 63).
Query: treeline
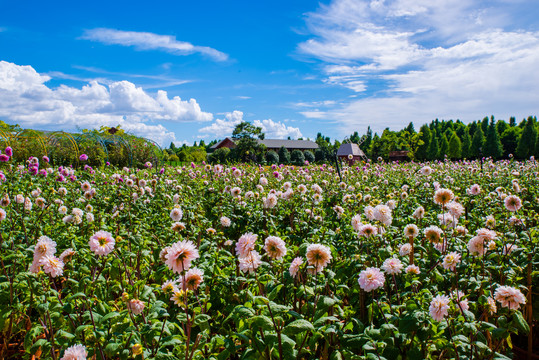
(455, 140)
(437, 140)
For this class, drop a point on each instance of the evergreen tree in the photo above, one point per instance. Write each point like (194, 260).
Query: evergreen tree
(444, 147)
(493, 145)
(466, 144)
(509, 139)
(526, 145)
(484, 125)
(432, 154)
(476, 148)
(455, 147)
(422, 150)
(512, 121)
(284, 155)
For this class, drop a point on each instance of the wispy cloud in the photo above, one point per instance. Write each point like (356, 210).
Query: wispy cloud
(416, 60)
(150, 41)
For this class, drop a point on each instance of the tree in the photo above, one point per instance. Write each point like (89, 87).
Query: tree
(509, 139)
(247, 147)
(272, 157)
(297, 157)
(526, 145)
(422, 150)
(444, 146)
(247, 130)
(220, 155)
(309, 156)
(455, 147)
(493, 146)
(432, 154)
(284, 155)
(319, 155)
(476, 148)
(466, 144)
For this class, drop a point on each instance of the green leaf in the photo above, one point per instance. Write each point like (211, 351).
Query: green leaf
(520, 323)
(408, 324)
(298, 326)
(111, 349)
(262, 321)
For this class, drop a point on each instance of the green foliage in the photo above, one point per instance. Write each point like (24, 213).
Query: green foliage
(219, 156)
(272, 157)
(478, 139)
(493, 145)
(526, 144)
(455, 147)
(309, 156)
(297, 157)
(284, 155)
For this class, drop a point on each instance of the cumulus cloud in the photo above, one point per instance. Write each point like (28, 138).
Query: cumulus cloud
(150, 41)
(416, 60)
(277, 130)
(27, 100)
(272, 129)
(224, 127)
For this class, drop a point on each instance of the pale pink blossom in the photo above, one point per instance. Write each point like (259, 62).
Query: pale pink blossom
(512, 203)
(476, 246)
(439, 307)
(405, 249)
(180, 255)
(443, 196)
(102, 243)
(250, 262)
(392, 266)
(275, 247)
(193, 278)
(318, 255)
(411, 230)
(371, 279)
(451, 260)
(52, 265)
(75, 352)
(245, 244)
(294, 267)
(509, 297)
(136, 306)
(412, 269)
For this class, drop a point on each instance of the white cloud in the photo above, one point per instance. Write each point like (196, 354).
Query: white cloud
(150, 41)
(277, 130)
(427, 59)
(27, 100)
(225, 127)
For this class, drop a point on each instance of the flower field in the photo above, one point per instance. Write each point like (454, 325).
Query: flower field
(382, 261)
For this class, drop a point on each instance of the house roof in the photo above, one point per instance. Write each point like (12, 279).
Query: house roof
(289, 144)
(350, 148)
(215, 146)
(278, 143)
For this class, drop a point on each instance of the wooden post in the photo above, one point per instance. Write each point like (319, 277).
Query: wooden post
(530, 307)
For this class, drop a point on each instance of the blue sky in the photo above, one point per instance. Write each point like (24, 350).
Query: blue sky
(185, 71)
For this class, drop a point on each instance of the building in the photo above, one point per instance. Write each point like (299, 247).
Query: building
(398, 156)
(351, 153)
(272, 144)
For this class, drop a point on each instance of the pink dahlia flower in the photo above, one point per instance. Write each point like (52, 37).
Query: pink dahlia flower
(439, 307)
(371, 279)
(180, 254)
(509, 297)
(102, 243)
